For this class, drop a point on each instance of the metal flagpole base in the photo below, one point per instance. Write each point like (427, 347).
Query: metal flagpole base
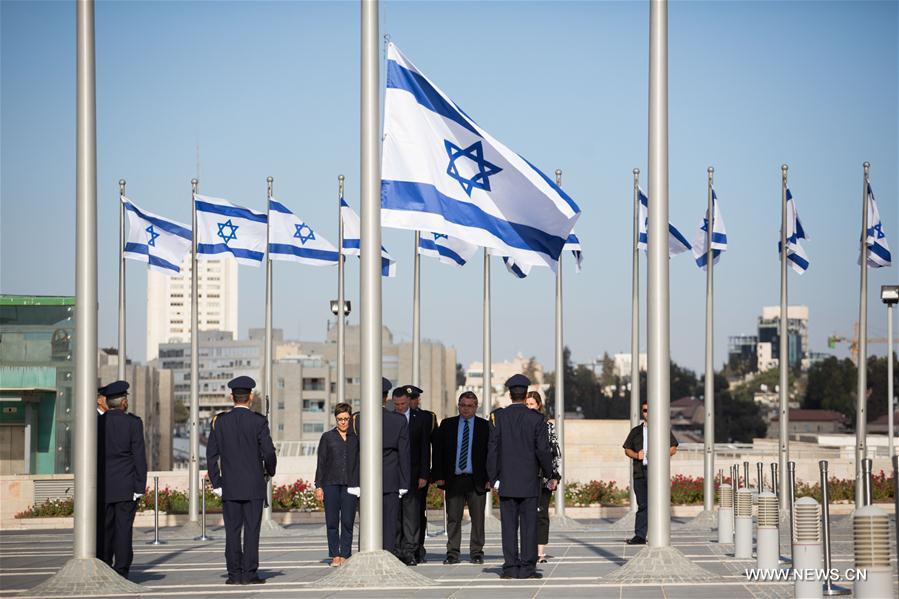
(624, 523)
(79, 577)
(704, 520)
(660, 565)
(189, 530)
(270, 528)
(835, 591)
(373, 570)
(562, 522)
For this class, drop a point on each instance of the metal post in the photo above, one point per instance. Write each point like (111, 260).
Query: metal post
(890, 408)
(895, 460)
(194, 472)
(488, 364)
(866, 481)
(560, 383)
(829, 588)
(371, 530)
(861, 411)
(267, 353)
(790, 491)
(203, 536)
(708, 441)
(659, 362)
(155, 540)
(635, 324)
(784, 441)
(746, 475)
(341, 301)
(759, 477)
(774, 478)
(120, 371)
(416, 315)
(84, 454)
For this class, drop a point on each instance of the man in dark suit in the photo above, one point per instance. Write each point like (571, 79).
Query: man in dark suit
(239, 456)
(394, 466)
(101, 474)
(431, 418)
(517, 452)
(125, 476)
(460, 469)
(407, 539)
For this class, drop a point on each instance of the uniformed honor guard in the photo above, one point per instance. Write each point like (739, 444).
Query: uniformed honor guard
(517, 453)
(101, 474)
(407, 539)
(431, 418)
(125, 475)
(240, 456)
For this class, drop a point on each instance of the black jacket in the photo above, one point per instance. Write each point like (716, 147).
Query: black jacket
(518, 451)
(445, 445)
(634, 442)
(240, 453)
(395, 450)
(125, 457)
(419, 445)
(338, 460)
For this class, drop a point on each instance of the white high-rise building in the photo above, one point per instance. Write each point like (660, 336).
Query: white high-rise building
(168, 302)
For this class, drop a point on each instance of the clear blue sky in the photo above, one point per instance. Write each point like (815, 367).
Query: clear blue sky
(273, 89)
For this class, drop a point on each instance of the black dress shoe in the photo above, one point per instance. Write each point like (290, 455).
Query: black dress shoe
(635, 540)
(450, 561)
(508, 577)
(232, 581)
(411, 562)
(477, 560)
(256, 580)
(534, 575)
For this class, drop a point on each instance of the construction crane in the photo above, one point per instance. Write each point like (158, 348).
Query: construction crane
(832, 341)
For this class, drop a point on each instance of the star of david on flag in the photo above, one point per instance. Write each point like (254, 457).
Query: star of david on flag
(796, 255)
(446, 249)
(159, 242)
(719, 236)
(294, 240)
(352, 229)
(677, 243)
(442, 173)
(224, 228)
(878, 250)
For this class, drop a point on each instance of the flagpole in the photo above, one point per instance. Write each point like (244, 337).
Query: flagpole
(120, 371)
(560, 384)
(341, 316)
(659, 362)
(487, 375)
(784, 453)
(635, 324)
(193, 502)
(708, 487)
(267, 523)
(861, 412)
(416, 315)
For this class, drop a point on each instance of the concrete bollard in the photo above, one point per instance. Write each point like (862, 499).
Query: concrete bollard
(871, 534)
(743, 524)
(807, 550)
(725, 514)
(768, 534)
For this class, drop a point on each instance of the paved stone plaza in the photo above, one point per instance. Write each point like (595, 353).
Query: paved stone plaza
(292, 564)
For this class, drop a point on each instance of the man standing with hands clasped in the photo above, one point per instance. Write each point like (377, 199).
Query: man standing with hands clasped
(517, 453)
(635, 447)
(239, 456)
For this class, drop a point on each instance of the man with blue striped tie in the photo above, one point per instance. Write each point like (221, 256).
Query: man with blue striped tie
(460, 470)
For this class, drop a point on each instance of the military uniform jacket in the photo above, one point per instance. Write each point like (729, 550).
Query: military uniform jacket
(240, 453)
(518, 451)
(419, 444)
(125, 457)
(395, 447)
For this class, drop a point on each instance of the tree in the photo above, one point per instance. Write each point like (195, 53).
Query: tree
(833, 385)
(738, 419)
(180, 413)
(460, 375)
(608, 377)
(530, 369)
(582, 390)
(683, 383)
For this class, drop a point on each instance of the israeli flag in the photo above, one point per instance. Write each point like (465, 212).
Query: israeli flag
(448, 250)
(572, 244)
(160, 242)
(876, 241)
(795, 254)
(293, 240)
(442, 173)
(225, 228)
(677, 243)
(719, 236)
(352, 235)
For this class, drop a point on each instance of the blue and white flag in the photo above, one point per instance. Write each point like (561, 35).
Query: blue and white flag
(572, 244)
(795, 254)
(294, 240)
(677, 243)
(352, 236)
(719, 236)
(225, 228)
(442, 173)
(876, 241)
(448, 250)
(160, 242)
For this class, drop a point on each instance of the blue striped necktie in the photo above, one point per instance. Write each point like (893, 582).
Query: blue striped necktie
(463, 449)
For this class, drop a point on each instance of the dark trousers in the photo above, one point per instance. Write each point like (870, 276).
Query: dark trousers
(242, 516)
(101, 526)
(422, 523)
(543, 516)
(389, 516)
(340, 514)
(519, 514)
(407, 527)
(641, 490)
(119, 524)
(460, 494)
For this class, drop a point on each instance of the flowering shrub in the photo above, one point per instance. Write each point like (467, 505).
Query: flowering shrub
(594, 492)
(298, 496)
(686, 490)
(54, 508)
(843, 489)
